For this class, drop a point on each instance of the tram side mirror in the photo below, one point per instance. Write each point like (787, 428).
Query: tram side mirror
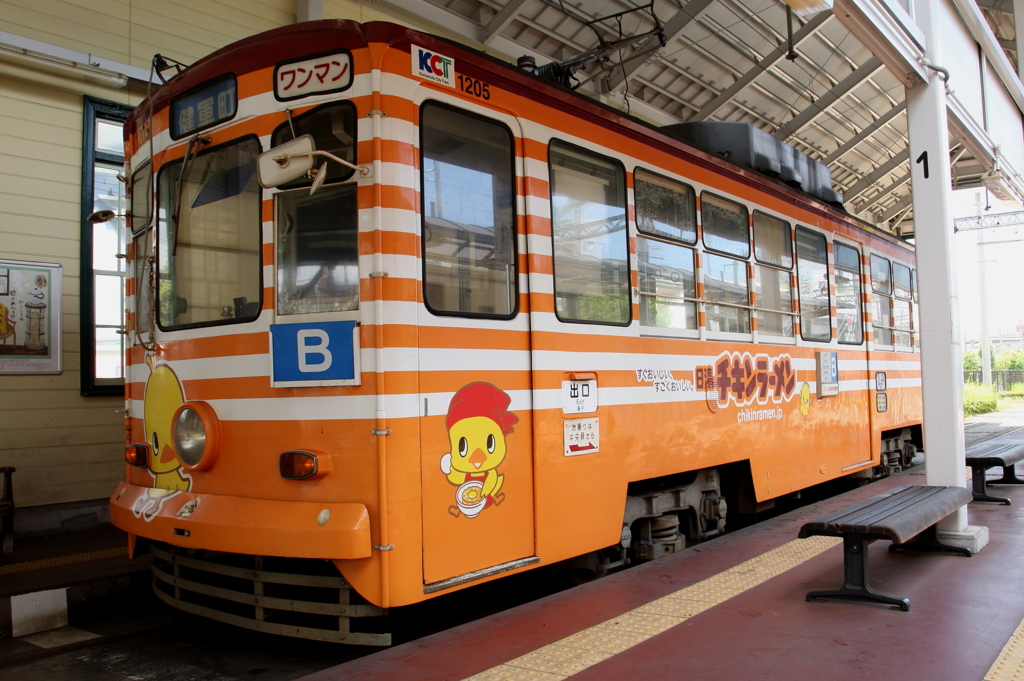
(101, 216)
(286, 162)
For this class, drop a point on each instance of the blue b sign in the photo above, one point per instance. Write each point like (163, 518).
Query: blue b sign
(309, 354)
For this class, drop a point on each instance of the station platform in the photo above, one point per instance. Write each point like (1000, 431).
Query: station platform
(734, 608)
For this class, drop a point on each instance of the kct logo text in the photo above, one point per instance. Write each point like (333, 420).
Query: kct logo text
(433, 66)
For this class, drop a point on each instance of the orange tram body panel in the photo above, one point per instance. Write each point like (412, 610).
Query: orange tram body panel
(509, 326)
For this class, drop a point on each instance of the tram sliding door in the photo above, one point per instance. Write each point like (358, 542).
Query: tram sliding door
(474, 352)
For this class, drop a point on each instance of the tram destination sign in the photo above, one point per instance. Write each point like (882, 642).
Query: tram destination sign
(204, 108)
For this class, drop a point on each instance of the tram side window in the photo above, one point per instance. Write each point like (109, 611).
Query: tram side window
(588, 216)
(726, 229)
(140, 216)
(142, 197)
(848, 295)
(468, 182)
(812, 273)
(902, 295)
(881, 289)
(915, 317)
(773, 250)
(142, 271)
(209, 258)
(667, 210)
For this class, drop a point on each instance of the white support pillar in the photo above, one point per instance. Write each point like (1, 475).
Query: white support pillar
(1018, 24)
(941, 361)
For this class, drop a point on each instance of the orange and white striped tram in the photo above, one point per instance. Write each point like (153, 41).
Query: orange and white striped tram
(405, 318)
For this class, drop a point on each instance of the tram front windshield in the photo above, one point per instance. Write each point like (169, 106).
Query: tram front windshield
(209, 258)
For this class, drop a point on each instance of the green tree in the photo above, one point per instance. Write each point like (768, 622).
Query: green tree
(1014, 359)
(972, 361)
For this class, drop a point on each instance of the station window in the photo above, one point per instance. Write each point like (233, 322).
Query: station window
(666, 217)
(102, 270)
(469, 219)
(209, 257)
(588, 216)
(812, 274)
(727, 230)
(881, 290)
(849, 324)
(902, 296)
(773, 250)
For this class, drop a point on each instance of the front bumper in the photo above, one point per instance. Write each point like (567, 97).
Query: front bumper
(264, 527)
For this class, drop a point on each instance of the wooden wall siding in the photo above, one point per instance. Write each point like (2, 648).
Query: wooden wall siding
(131, 31)
(66, 447)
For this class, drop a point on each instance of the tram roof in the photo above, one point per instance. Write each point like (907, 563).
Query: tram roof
(727, 60)
(267, 49)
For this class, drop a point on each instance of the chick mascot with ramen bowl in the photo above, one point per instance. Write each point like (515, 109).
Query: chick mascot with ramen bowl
(478, 421)
(163, 396)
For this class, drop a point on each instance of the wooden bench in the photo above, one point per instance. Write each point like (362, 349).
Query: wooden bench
(903, 514)
(985, 456)
(7, 510)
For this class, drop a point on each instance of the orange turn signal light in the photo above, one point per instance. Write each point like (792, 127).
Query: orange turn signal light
(299, 465)
(137, 454)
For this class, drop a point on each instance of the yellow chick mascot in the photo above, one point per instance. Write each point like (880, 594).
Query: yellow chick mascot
(163, 397)
(478, 421)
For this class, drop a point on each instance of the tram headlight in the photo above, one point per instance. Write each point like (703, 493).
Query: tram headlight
(196, 435)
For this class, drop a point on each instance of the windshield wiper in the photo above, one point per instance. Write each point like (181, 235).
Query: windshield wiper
(194, 141)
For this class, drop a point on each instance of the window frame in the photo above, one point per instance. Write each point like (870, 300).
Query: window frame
(166, 167)
(674, 242)
(796, 261)
(302, 181)
(279, 199)
(889, 329)
(762, 313)
(704, 232)
(753, 239)
(656, 235)
(515, 292)
(859, 288)
(94, 110)
(612, 161)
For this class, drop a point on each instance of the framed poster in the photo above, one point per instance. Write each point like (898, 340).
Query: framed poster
(30, 317)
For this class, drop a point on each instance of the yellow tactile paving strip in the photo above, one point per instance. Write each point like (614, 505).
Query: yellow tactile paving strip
(1009, 666)
(62, 560)
(586, 648)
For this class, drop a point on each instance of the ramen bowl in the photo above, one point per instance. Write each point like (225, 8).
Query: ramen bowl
(469, 498)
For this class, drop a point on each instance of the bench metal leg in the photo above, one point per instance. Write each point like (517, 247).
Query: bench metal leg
(928, 542)
(1009, 477)
(855, 577)
(978, 486)
(7, 534)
